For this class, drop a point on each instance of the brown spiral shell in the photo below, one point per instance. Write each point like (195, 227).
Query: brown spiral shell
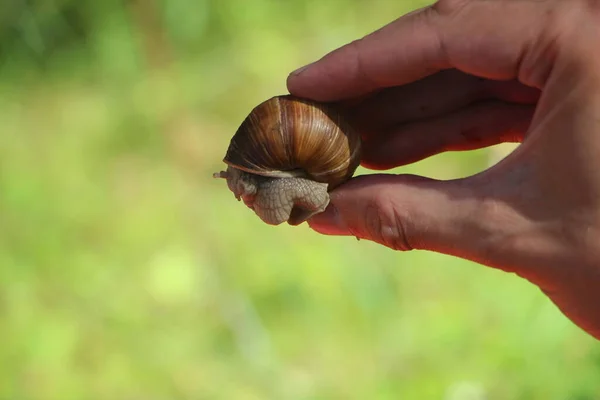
(286, 136)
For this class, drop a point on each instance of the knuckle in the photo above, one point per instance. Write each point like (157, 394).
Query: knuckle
(386, 225)
(361, 71)
(594, 6)
(449, 7)
(558, 33)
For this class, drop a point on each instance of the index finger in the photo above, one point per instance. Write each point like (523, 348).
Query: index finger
(487, 39)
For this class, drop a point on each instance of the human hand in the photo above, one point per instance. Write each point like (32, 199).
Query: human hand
(465, 74)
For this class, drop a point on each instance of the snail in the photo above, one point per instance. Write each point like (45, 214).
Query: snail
(287, 155)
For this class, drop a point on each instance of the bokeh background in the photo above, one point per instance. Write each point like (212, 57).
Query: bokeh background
(128, 272)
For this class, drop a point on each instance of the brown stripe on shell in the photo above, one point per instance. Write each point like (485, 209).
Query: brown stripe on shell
(287, 136)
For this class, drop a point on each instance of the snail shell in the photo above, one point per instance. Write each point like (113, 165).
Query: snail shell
(287, 155)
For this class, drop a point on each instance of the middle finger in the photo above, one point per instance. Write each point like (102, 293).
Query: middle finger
(436, 95)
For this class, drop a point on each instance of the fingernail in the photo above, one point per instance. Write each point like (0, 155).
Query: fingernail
(301, 70)
(329, 222)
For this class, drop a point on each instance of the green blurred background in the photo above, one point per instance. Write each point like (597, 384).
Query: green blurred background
(129, 273)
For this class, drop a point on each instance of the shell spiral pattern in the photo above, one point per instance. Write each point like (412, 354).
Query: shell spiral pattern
(287, 137)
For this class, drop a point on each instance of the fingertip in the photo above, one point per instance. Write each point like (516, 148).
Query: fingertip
(294, 80)
(334, 77)
(306, 82)
(298, 72)
(329, 222)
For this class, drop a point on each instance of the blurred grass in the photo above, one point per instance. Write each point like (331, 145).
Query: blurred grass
(129, 273)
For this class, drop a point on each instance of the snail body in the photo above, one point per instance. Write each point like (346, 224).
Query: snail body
(287, 155)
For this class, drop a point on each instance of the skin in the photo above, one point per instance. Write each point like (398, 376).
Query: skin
(465, 74)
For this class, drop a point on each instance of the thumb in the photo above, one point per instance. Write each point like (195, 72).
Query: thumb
(405, 212)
